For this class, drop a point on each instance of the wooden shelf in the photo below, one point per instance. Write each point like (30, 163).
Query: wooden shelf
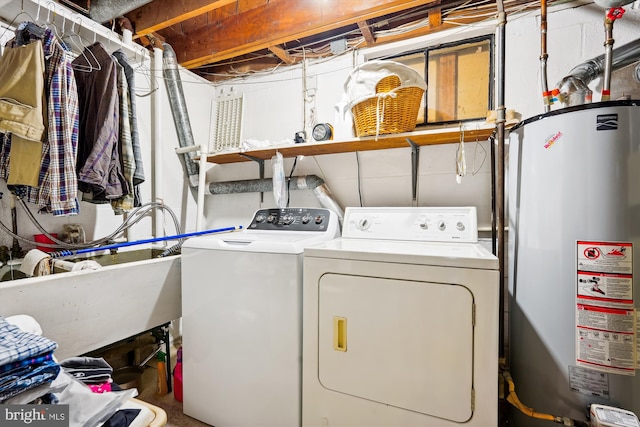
(398, 140)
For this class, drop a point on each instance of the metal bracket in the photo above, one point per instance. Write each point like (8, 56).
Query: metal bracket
(261, 169)
(415, 157)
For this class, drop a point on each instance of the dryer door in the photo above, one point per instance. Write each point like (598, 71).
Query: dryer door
(403, 343)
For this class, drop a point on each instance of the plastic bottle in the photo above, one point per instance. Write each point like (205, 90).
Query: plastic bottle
(163, 387)
(177, 377)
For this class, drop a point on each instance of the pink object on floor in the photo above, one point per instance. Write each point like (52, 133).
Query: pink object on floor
(177, 377)
(100, 388)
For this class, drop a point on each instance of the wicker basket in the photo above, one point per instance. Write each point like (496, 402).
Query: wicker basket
(398, 113)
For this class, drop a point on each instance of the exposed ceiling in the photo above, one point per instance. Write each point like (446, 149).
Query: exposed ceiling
(222, 38)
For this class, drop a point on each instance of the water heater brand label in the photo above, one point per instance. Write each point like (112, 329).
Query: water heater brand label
(606, 122)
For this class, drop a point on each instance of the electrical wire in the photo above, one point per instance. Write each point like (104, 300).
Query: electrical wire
(359, 178)
(293, 168)
(475, 170)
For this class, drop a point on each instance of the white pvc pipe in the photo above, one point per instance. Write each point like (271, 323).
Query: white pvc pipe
(201, 187)
(156, 138)
(202, 175)
(127, 37)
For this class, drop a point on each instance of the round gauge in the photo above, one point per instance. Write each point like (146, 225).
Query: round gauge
(322, 132)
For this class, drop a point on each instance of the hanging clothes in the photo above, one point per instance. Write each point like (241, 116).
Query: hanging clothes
(21, 91)
(98, 165)
(125, 146)
(22, 109)
(57, 189)
(138, 176)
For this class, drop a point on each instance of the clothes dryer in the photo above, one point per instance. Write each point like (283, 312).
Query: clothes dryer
(241, 319)
(401, 322)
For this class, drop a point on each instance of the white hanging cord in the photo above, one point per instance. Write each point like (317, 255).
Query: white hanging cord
(461, 163)
(475, 170)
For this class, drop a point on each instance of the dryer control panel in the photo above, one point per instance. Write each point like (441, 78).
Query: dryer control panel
(293, 219)
(430, 224)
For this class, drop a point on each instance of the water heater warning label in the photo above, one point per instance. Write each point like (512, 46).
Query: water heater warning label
(590, 382)
(605, 316)
(606, 339)
(605, 257)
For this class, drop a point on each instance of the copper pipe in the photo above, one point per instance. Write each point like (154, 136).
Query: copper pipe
(608, 58)
(546, 95)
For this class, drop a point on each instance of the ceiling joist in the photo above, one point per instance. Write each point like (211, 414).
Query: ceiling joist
(275, 23)
(365, 29)
(435, 17)
(218, 38)
(282, 54)
(161, 14)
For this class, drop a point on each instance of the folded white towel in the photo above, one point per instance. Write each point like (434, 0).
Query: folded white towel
(36, 263)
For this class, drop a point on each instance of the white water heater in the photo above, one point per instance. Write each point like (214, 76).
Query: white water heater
(574, 254)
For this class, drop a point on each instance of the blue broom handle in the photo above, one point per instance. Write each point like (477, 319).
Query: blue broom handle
(67, 252)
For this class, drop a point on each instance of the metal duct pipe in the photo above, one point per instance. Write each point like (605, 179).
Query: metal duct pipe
(106, 10)
(574, 88)
(308, 182)
(173, 83)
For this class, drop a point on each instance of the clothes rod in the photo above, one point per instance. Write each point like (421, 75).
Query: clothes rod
(66, 20)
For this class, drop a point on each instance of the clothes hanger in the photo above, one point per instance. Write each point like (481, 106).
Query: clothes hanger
(22, 12)
(54, 26)
(75, 37)
(27, 28)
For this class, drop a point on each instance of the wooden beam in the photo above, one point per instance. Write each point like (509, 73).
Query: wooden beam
(152, 41)
(435, 17)
(161, 14)
(275, 23)
(368, 35)
(282, 54)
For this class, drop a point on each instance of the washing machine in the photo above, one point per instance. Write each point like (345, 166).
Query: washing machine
(241, 318)
(401, 322)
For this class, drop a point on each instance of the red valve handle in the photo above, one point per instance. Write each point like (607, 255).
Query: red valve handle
(615, 13)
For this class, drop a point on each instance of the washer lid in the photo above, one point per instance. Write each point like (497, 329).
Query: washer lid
(279, 242)
(469, 255)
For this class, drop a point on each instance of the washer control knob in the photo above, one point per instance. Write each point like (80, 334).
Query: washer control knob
(424, 225)
(260, 218)
(442, 226)
(460, 226)
(271, 218)
(319, 219)
(287, 219)
(306, 219)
